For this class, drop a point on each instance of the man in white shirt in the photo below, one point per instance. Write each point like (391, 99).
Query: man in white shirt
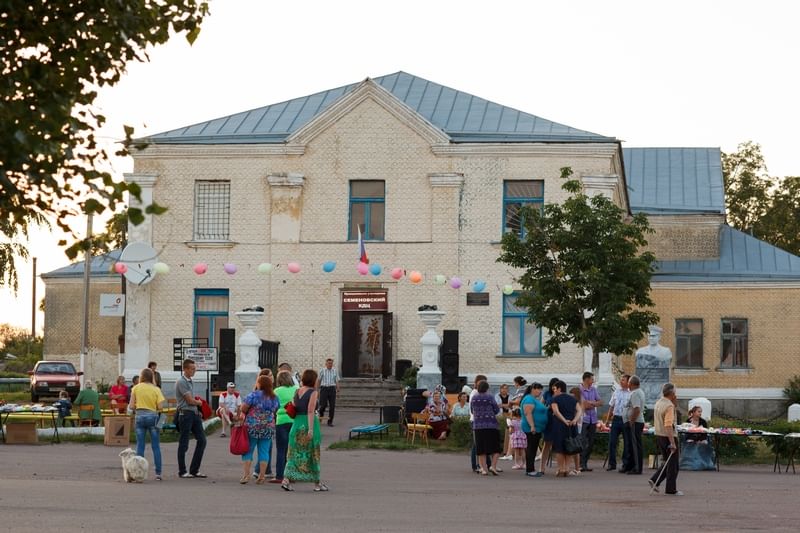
(616, 410)
(229, 402)
(328, 385)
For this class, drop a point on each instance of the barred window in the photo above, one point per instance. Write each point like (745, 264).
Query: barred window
(212, 210)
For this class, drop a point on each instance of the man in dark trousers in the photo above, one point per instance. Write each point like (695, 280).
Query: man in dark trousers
(189, 421)
(633, 461)
(328, 385)
(664, 421)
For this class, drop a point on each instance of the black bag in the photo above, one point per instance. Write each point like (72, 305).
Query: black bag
(574, 445)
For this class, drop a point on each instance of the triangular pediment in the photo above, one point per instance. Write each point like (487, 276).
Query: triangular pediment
(368, 90)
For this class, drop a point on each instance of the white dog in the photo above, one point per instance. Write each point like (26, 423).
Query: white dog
(134, 467)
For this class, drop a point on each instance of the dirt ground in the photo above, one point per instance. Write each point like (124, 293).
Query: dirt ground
(76, 487)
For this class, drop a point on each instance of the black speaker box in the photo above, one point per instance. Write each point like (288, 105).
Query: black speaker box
(227, 363)
(450, 372)
(450, 341)
(227, 340)
(219, 382)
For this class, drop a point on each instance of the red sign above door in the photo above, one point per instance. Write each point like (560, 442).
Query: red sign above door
(365, 301)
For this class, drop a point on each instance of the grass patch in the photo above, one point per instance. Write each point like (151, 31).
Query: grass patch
(23, 396)
(397, 442)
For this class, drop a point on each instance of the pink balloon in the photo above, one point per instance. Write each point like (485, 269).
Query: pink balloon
(200, 269)
(229, 268)
(294, 268)
(363, 268)
(397, 273)
(120, 268)
(455, 283)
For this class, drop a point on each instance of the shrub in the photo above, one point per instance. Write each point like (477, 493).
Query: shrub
(792, 391)
(410, 377)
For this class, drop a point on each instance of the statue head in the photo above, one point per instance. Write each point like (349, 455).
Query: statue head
(654, 336)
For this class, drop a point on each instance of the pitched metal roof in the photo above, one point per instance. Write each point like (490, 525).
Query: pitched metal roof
(674, 180)
(100, 265)
(741, 258)
(462, 116)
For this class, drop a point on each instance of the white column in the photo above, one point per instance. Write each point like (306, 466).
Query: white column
(137, 304)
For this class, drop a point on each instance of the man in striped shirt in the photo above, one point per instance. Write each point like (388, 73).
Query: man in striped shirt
(328, 385)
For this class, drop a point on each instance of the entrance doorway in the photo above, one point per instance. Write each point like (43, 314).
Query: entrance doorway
(366, 344)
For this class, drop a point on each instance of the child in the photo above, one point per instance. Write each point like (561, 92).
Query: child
(519, 442)
(64, 407)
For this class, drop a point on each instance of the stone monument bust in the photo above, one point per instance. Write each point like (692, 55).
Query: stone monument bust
(654, 350)
(653, 366)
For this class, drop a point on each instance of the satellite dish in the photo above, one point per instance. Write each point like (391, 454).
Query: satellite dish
(140, 258)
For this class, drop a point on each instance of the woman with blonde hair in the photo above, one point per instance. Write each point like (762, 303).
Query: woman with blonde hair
(146, 401)
(304, 437)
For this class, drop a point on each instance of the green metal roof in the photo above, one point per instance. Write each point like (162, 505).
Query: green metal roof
(664, 181)
(741, 258)
(462, 116)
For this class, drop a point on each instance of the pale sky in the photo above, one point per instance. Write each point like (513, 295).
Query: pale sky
(677, 73)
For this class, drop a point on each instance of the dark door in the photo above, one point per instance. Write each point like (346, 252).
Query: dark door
(386, 369)
(350, 345)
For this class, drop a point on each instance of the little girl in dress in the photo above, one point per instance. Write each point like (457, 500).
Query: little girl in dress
(519, 441)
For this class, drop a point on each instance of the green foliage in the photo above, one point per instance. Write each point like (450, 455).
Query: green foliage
(55, 56)
(115, 235)
(792, 391)
(18, 342)
(755, 202)
(410, 377)
(585, 278)
(461, 432)
(102, 387)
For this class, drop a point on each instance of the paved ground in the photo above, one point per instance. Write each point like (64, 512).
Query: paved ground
(72, 487)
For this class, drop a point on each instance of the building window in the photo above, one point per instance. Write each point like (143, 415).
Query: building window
(212, 210)
(516, 195)
(689, 343)
(520, 337)
(734, 343)
(367, 209)
(210, 314)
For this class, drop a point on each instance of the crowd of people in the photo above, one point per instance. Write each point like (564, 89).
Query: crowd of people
(283, 412)
(565, 423)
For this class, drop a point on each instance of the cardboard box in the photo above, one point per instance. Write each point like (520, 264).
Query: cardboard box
(21, 433)
(117, 430)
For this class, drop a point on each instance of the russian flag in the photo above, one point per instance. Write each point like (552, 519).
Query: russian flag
(362, 251)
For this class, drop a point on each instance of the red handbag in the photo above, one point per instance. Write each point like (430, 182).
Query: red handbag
(291, 410)
(240, 442)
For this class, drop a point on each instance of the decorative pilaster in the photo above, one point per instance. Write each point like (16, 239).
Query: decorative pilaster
(248, 369)
(286, 206)
(137, 304)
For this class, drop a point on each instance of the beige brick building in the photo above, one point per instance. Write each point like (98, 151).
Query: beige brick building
(433, 177)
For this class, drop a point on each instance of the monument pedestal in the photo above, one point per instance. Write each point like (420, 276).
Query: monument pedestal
(429, 374)
(249, 343)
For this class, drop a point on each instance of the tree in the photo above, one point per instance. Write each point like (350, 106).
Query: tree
(115, 235)
(54, 56)
(766, 207)
(585, 277)
(19, 343)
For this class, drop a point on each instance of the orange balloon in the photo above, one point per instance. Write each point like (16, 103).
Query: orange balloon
(415, 277)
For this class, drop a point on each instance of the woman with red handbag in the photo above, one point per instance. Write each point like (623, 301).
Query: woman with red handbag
(285, 392)
(259, 409)
(304, 438)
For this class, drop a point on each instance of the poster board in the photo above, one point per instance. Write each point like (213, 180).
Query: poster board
(204, 358)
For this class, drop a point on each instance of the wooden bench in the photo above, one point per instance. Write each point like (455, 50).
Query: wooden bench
(371, 430)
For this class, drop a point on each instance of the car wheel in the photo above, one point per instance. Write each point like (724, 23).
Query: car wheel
(34, 397)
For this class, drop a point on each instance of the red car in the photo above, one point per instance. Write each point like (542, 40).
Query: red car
(48, 378)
